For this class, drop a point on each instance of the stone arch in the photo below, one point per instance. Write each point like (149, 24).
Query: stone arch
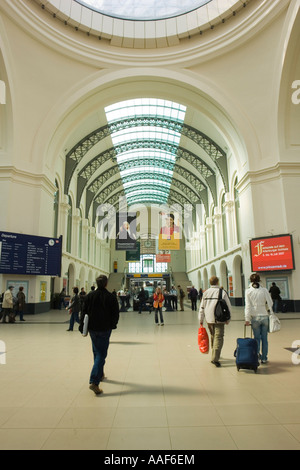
(199, 280)
(81, 277)
(71, 278)
(238, 280)
(213, 271)
(224, 275)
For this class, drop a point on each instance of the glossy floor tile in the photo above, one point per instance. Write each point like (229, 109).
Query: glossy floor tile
(160, 392)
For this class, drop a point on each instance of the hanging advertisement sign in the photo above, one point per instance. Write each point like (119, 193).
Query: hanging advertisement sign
(134, 255)
(169, 236)
(163, 258)
(126, 231)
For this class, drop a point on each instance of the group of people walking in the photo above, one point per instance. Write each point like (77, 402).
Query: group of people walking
(12, 305)
(102, 309)
(258, 306)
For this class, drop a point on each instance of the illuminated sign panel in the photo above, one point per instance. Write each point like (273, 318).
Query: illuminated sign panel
(29, 254)
(272, 253)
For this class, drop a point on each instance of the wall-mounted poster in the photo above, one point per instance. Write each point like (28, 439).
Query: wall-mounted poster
(126, 231)
(43, 291)
(169, 236)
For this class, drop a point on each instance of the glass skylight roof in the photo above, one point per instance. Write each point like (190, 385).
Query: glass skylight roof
(146, 171)
(143, 9)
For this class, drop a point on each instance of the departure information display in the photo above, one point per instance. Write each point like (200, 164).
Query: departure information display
(30, 254)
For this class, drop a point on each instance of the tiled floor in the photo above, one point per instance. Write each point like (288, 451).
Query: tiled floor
(160, 393)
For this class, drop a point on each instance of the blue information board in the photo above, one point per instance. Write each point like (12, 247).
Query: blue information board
(29, 254)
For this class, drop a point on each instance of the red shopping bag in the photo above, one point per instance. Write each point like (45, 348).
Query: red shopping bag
(203, 340)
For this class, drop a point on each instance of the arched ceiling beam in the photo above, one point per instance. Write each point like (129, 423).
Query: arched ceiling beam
(91, 168)
(76, 154)
(189, 180)
(179, 192)
(175, 197)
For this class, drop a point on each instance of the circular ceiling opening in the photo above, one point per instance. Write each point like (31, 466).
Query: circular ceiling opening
(143, 10)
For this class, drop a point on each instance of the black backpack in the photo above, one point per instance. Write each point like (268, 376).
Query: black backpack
(222, 312)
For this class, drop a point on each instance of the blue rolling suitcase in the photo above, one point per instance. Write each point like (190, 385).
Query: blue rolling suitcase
(246, 353)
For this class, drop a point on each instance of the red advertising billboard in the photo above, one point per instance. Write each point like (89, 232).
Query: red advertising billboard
(272, 253)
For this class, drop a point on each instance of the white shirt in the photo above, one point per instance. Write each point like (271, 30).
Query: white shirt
(257, 301)
(208, 304)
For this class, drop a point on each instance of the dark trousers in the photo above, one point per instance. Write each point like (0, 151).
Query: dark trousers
(8, 312)
(100, 343)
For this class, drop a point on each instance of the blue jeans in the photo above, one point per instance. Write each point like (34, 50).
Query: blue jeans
(260, 327)
(275, 305)
(100, 343)
(74, 317)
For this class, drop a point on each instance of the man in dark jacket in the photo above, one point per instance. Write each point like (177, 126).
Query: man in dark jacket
(103, 311)
(142, 299)
(275, 294)
(193, 296)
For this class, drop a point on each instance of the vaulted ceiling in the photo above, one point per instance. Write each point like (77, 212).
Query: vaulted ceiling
(148, 152)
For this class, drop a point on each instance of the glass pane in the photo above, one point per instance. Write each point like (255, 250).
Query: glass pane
(146, 171)
(143, 9)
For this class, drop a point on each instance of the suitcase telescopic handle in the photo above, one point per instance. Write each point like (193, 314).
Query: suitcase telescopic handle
(245, 329)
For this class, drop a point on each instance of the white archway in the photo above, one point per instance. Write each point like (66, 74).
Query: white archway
(238, 280)
(224, 275)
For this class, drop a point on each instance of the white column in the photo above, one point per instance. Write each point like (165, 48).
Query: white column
(85, 232)
(217, 219)
(2, 92)
(203, 253)
(92, 245)
(209, 238)
(64, 208)
(75, 233)
(230, 219)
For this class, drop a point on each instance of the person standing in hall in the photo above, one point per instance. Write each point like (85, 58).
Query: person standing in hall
(102, 309)
(7, 305)
(20, 306)
(158, 299)
(173, 293)
(181, 297)
(142, 299)
(74, 308)
(207, 311)
(257, 297)
(82, 295)
(62, 296)
(275, 294)
(193, 297)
